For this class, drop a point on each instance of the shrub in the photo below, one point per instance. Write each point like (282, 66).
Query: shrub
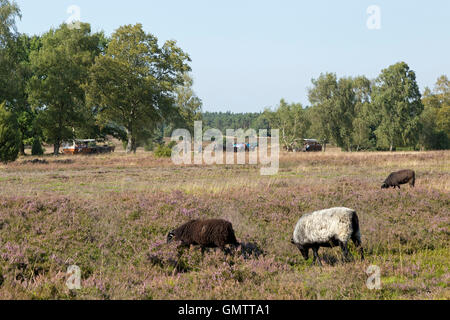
(172, 144)
(149, 145)
(36, 149)
(9, 136)
(163, 151)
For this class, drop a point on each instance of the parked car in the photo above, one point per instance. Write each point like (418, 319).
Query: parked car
(86, 146)
(311, 145)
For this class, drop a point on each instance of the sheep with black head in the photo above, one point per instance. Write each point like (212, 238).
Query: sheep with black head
(398, 178)
(213, 233)
(327, 228)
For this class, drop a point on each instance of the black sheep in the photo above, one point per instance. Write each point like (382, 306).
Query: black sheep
(395, 179)
(205, 233)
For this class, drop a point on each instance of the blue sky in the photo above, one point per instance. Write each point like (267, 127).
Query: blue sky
(247, 55)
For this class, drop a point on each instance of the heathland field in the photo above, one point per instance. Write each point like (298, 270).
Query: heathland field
(110, 215)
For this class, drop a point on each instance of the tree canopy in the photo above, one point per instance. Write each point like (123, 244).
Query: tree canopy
(60, 72)
(9, 135)
(133, 83)
(72, 83)
(397, 98)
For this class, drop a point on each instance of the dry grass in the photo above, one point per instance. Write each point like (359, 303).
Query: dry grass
(110, 214)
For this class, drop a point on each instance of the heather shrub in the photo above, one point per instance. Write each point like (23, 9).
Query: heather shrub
(110, 216)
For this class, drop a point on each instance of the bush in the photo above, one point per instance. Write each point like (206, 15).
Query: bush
(172, 144)
(36, 148)
(149, 145)
(163, 151)
(9, 136)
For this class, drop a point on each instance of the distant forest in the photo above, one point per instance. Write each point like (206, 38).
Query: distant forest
(355, 114)
(228, 120)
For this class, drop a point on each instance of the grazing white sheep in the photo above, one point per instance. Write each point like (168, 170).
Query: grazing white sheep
(327, 228)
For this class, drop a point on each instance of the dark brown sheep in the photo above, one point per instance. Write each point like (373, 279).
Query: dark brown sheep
(205, 233)
(395, 179)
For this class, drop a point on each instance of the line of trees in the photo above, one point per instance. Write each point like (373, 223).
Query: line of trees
(359, 114)
(228, 120)
(355, 113)
(73, 83)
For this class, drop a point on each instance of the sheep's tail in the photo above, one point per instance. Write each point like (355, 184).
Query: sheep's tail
(356, 235)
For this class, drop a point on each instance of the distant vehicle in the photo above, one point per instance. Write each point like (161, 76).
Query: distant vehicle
(240, 147)
(86, 146)
(311, 145)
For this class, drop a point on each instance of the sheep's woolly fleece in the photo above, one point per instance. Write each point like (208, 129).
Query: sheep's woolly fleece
(321, 226)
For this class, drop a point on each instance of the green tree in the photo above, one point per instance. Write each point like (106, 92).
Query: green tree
(36, 148)
(363, 121)
(15, 69)
(397, 99)
(9, 135)
(22, 48)
(340, 110)
(292, 122)
(235, 121)
(188, 106)
(435, 119)
(324, 124)
(443, 120)
(9, 12)
(344, 113)
(60, 71)
(260, 122)
(442, 91)
(134, 83)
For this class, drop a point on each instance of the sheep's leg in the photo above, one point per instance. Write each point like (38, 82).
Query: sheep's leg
(345, 252)
(225, 250)
(316, 256)
(358, 245)
(181, 248)
(361, 251)
(231, 250)
(234, 248)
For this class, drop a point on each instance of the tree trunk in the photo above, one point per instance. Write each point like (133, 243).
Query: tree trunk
(391, 148)
(22, 148)
(131, 146)
(56, 147)
(59, 133)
